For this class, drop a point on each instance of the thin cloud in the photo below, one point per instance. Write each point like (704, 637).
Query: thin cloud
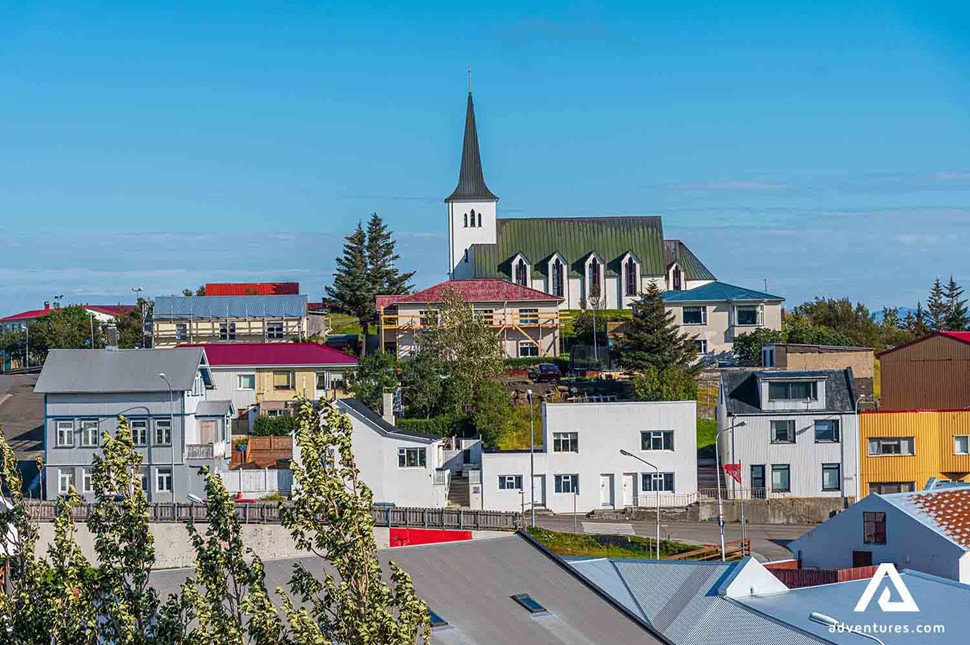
(734, 185)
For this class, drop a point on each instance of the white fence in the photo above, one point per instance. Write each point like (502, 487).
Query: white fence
(255, 483)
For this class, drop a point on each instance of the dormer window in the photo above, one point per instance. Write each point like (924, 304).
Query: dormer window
(557, 277)
(520, 272)
(631, 276)
(594, 273)
(793, 391)
(677, 279)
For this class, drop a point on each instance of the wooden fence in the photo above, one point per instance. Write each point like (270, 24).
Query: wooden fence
(269, 513)
(732, 551)
(797, 578)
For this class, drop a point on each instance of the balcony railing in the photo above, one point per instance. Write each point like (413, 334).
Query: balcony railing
(200, 451)
(495, 320)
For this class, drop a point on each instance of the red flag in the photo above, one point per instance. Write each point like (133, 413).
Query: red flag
(734, 470)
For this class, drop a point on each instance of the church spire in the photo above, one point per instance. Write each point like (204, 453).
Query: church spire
(471, 182)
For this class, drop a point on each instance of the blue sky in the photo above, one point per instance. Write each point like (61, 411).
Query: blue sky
(822, 146)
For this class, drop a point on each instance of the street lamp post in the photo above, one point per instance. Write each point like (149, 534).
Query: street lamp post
(720, 506)
(532, 460)
(656, 489)
(171, 431)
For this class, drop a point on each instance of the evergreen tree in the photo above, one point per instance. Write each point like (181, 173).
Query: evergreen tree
(382, 271)
(916, 324)
(957, 318)
(652, 339)
(351, 291)
(937, 306)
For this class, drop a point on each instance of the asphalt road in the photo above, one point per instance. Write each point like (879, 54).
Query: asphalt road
(767, 540)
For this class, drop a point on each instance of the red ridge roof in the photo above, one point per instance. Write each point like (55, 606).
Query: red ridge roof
(477, 290)
(958, 335)
(33, 314)
(268, 354)
(252, 288)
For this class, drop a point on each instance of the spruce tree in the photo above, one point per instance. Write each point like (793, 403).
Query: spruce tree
(652, 339)
(957, 318)
(382, 272)
(937, 306)
(916, 323)
(351, 291)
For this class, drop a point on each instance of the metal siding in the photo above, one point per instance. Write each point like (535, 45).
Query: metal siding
(928, 374)
(186, 307)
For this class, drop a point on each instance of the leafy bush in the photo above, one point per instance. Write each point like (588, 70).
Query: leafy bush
(266, 426)
(442, 426)
(671, 384)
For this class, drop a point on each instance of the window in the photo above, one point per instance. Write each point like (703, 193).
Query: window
(891, 446)
(139, 431)
(87, 481)
(65, 479)
(436, 620)
(163, 480)
(678, 285)
(700, 346)
(695, 315)
(557, 278)
(181, 331)
(510, 482)
(411, 457)
(321, 378)
(284, 412)
(594, 278)
(227, 331)
(284, 381)
(65, 433)
(792, 391)
(757, 476)
(768, 356)
(888, 488)
(486, 315)
(528, 316)
(529, 603)
(89, 433)
(466, 220)
(631, 277)
(466, 255)
(826, 431)
(783, 431)
(873, 528)
(527, 348)
(521, 273)
(651, 482)
(961, 444)
(198, 386)
(479, 219)
(336, 380)
(163, 432)
(275, 330)
(143, 479)
(831, 477)
(246, 382)
(781, 478)
(567, 484)
(748, 315)
(657, 440)
(565, 442)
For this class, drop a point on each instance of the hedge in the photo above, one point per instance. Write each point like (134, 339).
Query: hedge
(281, 426)
(442, 426)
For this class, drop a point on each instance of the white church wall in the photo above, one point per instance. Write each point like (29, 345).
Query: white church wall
(463, 237)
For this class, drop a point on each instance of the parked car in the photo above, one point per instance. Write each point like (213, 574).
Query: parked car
(545, 372)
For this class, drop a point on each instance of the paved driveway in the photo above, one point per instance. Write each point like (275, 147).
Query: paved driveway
(767, 540)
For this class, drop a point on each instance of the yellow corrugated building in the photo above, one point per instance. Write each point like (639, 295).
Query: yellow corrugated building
(902, 450)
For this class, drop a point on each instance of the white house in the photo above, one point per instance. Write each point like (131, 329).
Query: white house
(795, 433)
(923, 530)
(580, 466)
(401, 467)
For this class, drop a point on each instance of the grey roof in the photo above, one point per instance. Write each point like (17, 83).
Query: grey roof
(22, 414)
(119, 370)
(357, 409)
(183, 307)
(741, 392)
(681, 600)
(940, 601)
(471, 181)
(214, 409)
(470, 584)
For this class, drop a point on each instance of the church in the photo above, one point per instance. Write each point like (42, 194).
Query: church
(583, 260)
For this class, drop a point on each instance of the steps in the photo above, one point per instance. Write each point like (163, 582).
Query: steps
(458, 493)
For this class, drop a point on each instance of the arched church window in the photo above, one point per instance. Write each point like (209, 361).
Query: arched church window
(677, 279)
(466, 220)
(473, 218)
(631, 277)
(479, 220)
(521, 275)
(557, 278)
(594, 278)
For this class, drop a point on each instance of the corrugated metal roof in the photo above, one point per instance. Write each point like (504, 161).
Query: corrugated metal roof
(251, 288)
(477, 290)
(719, 292)
(742, 393)
(274, 354)
(574, 238)
(693, 268)
(471, 181)
(183, 307)
(214, 409)
(118, 370)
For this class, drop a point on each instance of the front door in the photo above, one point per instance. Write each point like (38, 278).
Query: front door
(862, 558)
(539, 481)
(758, 481)
(629, 489)
(606, 490)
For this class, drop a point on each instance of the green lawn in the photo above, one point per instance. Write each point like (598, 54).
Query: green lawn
(605, 546)
(706, 436)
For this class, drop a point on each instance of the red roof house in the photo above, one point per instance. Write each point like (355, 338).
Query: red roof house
(493, 290)
(252, 288)
(275, 355)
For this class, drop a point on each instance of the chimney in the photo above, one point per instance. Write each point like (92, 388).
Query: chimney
(388, 407)
(110, 337)
(47, 305)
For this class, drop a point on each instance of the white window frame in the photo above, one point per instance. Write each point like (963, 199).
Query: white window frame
(510, 482)
(532, 350)
(907, 442)
(836, 430)
(759, 315)
(966, 444)
(159, 473)
(65, 475)
(143, 425)
(159, 424)
(276, 330)
(652, 436)
(565, 442)
(239, 381)
(405, 451)
(771, 481)
(227, 331)
(683, 316)
(652, 478)
(87, 481)
(181, 331)
(772, 436)
(290, 379)
(87, 426)
(61, 426)
(567, 481)
(700, 344)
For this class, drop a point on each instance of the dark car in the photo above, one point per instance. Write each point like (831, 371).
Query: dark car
(545, 372)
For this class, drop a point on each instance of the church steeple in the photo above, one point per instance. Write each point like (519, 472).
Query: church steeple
(471, 181)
